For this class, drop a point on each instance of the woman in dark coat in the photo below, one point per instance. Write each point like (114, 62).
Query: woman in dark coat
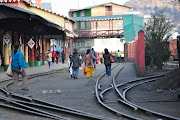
(107, 61)
(76, 64)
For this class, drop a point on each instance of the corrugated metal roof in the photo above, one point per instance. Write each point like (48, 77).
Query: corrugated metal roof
(98, 5)
(98, 18)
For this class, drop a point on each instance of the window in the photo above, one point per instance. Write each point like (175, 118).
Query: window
(88, 25)
(82, 13)
(82, 25)
(119, 25)
(108, 10)
(75, 26)
(75, 14)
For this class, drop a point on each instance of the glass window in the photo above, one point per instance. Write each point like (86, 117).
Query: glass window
(75, 14)
(82, 13)
(82, 25)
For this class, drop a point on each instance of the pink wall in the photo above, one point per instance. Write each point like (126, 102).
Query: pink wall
(139, 48)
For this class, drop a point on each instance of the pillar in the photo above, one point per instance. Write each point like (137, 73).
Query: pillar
(43, 53)
(26, 54)
(35, 54)
(6, 57)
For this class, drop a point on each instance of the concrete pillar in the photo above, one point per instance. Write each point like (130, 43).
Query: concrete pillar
(6, 57)
(26, 54)
(35, 54)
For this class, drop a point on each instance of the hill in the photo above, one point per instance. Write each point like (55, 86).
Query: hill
(171, 7)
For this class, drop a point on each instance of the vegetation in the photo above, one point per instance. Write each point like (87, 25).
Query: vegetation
(156, 50)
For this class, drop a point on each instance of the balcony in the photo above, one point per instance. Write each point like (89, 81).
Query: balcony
(99, 33)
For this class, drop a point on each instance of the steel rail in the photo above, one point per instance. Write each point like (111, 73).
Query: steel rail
(125, 101)
(106, 106)
(50, 115)
(144, 109)
(62, 108)
(119, 93)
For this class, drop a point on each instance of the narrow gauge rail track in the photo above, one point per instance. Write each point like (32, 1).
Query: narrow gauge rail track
(39, 107)
(122, 94)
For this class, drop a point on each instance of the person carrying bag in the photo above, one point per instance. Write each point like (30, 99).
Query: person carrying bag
(18, 65)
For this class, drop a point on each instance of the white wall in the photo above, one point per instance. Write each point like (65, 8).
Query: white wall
(112, 44)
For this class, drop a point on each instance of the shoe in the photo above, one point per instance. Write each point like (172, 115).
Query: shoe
(25, 89)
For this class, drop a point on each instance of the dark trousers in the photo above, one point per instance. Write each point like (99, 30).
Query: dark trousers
(108, 70)
(63, 61)
(119, 59)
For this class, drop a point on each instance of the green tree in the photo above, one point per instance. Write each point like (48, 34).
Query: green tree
(156, 50)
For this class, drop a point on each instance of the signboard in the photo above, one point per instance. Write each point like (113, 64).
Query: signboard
(6, 38)
(31, 43)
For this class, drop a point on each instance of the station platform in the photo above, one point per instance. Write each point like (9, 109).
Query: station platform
(36, 70)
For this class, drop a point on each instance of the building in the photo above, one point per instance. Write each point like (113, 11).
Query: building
(33, 27)
(107, 25)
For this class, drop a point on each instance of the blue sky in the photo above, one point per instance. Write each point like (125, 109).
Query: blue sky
(63, 6)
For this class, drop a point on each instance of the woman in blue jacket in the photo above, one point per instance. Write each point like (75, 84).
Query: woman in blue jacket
(18, 63)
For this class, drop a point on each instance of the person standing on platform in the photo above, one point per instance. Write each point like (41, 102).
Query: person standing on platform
(49, 58)
(63, 57)
(70, 65)
(119, 56)
(107, 61)
(95, 55)
(76, 64)
(53, 56)
(88, 58)
(57, 57)
(18, 65)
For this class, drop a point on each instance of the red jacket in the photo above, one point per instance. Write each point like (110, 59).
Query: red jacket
(54, 54)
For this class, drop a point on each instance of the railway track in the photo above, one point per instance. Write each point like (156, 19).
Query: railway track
(120, 105)
(42, 108)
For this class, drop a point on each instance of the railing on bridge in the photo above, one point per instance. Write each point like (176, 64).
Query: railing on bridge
(100, 33)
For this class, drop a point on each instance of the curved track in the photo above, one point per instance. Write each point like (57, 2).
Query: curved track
(121, 89)
(39, 107)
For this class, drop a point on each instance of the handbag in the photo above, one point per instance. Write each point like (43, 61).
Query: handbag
(80, 68)
(84, 72)
(9, 71)
(111, 58)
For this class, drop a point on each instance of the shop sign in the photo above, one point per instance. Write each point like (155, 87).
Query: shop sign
(31, 43)
(6, 38)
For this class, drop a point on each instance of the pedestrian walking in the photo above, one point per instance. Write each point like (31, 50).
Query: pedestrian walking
(70, 65)
(88, 58)
(95, 55)
(107, 61)
(49, 58)
(119, 56)
(18, 65)
(63, 57)
(53, 57)
(57, 57)
(76, 64)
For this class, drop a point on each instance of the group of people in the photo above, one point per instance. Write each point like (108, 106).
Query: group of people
(18, 64)
(90, 60)
(54, 57)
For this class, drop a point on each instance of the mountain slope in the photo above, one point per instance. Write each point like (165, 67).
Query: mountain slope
(171, 8)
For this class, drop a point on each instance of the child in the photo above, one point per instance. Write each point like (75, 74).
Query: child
(70, 64)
